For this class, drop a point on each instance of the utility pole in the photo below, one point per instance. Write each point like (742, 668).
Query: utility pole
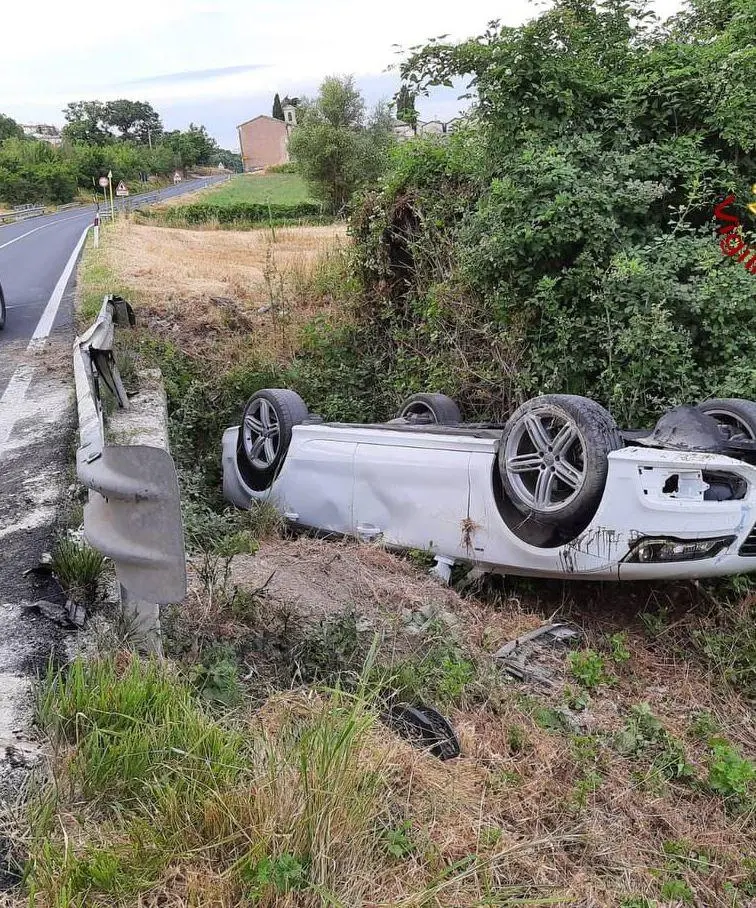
(149, 137)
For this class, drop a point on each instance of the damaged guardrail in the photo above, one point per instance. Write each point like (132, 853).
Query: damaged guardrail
(133, 515)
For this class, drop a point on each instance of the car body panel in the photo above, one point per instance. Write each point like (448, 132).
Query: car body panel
(435, 489)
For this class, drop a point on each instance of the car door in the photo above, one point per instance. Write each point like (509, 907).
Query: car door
(412, 495)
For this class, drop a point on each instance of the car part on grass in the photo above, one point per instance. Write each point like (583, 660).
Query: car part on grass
(424, 727)
(439, 489)
(434, 409)
(2, 308)
(265, 432)
(133, 514)
(735, 415)
(553, 458)
(526, 657)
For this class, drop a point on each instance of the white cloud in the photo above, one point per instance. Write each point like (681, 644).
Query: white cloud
(64, 51)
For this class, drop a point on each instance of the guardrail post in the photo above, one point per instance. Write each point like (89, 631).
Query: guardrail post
(133, 514)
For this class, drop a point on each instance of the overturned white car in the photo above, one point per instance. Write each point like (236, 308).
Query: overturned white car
(558, 491)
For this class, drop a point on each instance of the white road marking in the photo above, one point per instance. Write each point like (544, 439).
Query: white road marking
(45, 323)
(12, 400)
(41, 227)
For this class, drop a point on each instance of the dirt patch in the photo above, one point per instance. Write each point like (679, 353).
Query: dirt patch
(205, 289)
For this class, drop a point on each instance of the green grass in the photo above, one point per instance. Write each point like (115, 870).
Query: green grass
(78, 568)
(276, 188)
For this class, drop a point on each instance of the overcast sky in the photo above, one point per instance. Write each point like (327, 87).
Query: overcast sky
(219, 62)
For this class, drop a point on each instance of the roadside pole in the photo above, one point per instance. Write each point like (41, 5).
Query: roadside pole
(97, 230)
(103, 181)
(110, 186)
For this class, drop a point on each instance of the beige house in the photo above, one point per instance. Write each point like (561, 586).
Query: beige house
(264, 140)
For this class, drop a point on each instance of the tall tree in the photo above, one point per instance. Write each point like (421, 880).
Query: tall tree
(337, 150)
(134, 120)
(405, 106)
(86, 123)
(278, 113)
(9, 129)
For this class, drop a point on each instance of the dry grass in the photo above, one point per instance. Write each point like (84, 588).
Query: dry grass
(587, 824)
(204, 288)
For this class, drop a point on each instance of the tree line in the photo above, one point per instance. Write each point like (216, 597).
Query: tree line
(122, 136)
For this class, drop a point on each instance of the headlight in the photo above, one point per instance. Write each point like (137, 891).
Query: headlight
(661, 550)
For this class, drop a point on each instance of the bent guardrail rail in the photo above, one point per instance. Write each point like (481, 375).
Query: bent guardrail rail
(133, 515)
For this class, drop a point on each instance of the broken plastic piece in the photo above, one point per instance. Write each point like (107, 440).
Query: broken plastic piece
(519, 657)
(424, 727)
(442, 569)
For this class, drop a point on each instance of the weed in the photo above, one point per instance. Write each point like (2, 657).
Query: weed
(398, 840)
(443, 673)
(588, 668)
(216, 678)
(730, 774)
(274, 811)
(655, 623)
(636, 901)
(280, 875)
(422, 558)
(676, 890)
(576, 700)
(641, 731)
(517, 739)
(585, 786)
(644, 732)
(551, 719)
(620, 652)
(78, 568)
(331, 651)
(703, 725)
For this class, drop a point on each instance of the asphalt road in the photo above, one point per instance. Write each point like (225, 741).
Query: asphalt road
(33, 258)
(38, 259)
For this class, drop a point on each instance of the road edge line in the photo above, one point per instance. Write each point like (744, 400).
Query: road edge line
(47, 319)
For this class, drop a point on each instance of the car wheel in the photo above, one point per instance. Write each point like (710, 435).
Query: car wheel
(735, 415)
(434, 409)
(2, 309)
(553, 458)
(265, 433)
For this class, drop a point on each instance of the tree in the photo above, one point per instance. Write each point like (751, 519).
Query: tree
(9, 129)
(86, 122)
(405, 107)
(230, 159)
(134, 120)
(278, 113)
(336, 149)
(192, 147)
(566, 232)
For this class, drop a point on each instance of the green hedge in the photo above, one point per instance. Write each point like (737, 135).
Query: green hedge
(235, 213)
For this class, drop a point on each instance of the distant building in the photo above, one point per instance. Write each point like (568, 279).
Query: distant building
(403, 131)
(42, 132)
(264, 140)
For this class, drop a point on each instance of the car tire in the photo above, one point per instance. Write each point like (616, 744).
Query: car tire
(433, 409)
(553, 458)
(2, 309)
(734, 414)
(265, 434)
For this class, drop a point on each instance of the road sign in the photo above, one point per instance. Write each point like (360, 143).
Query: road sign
(103, 181)
(177, 177)
(121, 189)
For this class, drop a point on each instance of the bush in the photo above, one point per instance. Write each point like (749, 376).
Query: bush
(235, 214)
(288, 167)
